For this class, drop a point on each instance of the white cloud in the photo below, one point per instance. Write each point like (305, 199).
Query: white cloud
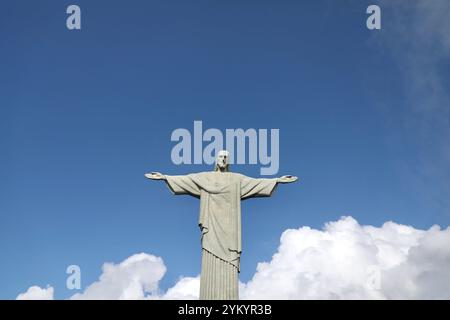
(350, 261)
(137, 277)
(37, 293)
(345, 260)
(187, 288)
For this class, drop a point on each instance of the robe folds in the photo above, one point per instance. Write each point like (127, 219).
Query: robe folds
(220, 195)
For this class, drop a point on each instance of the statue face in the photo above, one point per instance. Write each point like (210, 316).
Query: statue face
(222, 160)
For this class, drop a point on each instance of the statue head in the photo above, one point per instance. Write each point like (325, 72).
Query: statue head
(222, 161)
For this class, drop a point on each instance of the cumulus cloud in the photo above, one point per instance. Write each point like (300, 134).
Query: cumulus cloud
(348, 261)
(137, 277)
(344, 260)
(37, 293)
(187, 288)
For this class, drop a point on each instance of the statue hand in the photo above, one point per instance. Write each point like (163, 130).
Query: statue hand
(287, 179)
(155, 176)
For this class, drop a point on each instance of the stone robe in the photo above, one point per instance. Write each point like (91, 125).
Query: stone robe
(220, 196)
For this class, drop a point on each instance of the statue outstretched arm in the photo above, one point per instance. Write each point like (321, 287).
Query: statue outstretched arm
(262, 187)
(178, 184)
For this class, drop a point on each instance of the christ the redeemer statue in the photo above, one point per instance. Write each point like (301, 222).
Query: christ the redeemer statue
(220, 193)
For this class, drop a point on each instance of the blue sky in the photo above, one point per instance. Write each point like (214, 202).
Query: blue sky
(84, 114)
